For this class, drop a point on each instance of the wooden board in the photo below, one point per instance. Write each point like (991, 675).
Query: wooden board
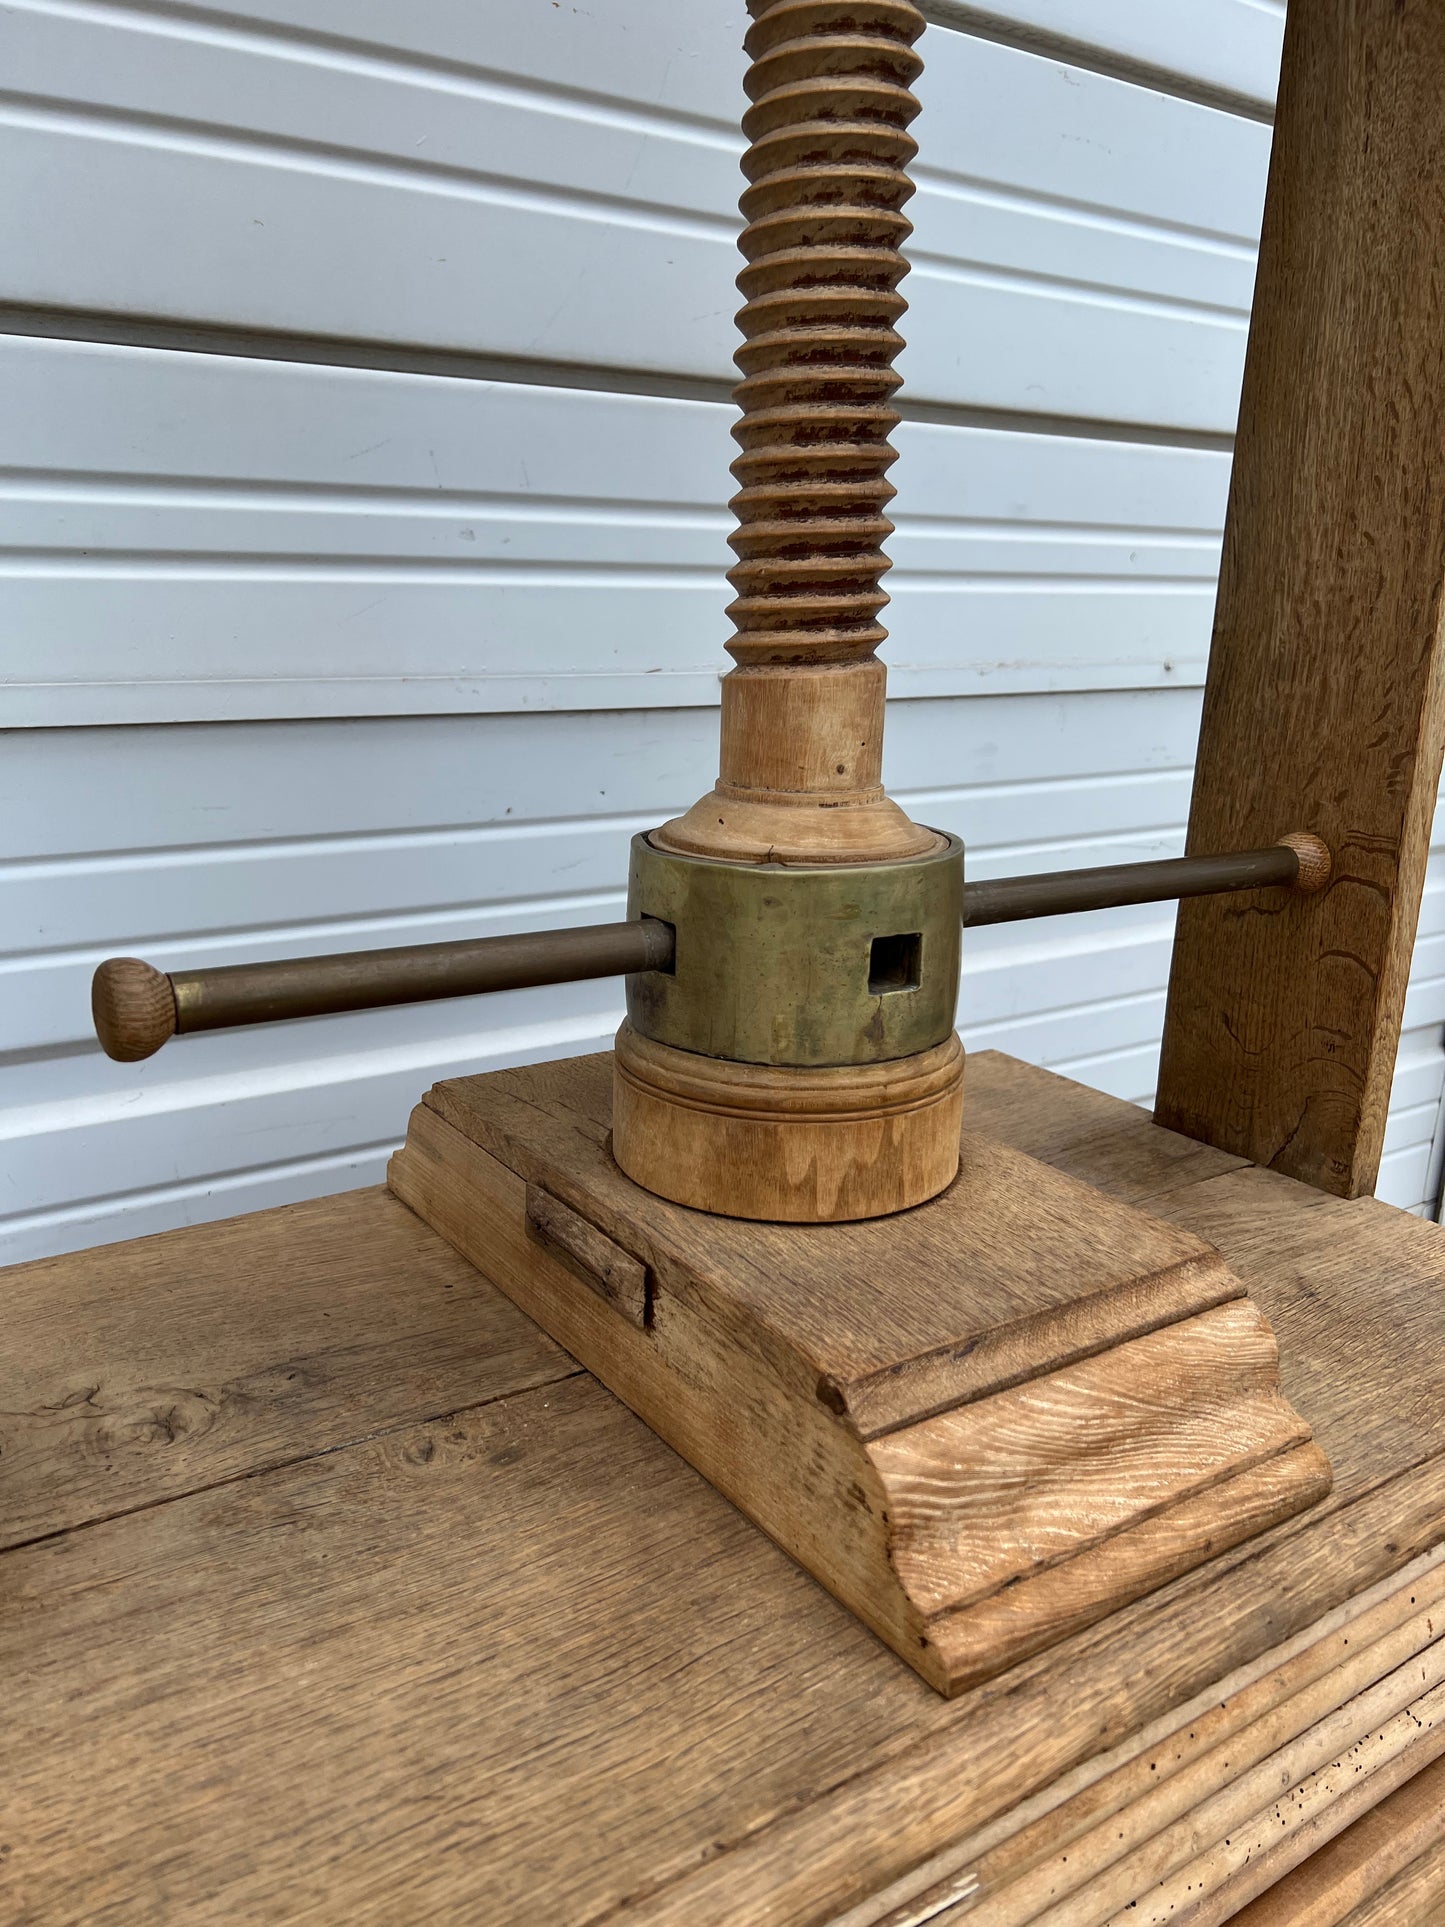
(1389, 1866)
(1416, 1896)
(523, 1664)
(982, 1423)
(146, 1370)
(1323, 707)
(1166, 1824)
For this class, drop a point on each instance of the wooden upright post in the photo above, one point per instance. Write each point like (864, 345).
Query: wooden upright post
(1323, 708)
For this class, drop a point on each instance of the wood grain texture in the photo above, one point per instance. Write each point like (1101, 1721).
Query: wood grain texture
(801, 776)
(524, 1665)
(133, 1008)
(614, 1274)
(1081, 1836)
(984, 1524)
(1354, 1878)
(1212, 1888)
(1131, 1430)
(1416, 1896)
(1145, 1662)
(316, 1691)
(780, 1143)
(1111, 1146)
(878, 1305)
(405, 1680)
(141, 1371)
(1280, 1803)
(1323, 705)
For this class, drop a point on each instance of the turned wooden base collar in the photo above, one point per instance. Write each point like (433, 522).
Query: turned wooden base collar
(797, 1146)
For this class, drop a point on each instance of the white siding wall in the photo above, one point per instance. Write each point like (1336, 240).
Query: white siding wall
(364, 452)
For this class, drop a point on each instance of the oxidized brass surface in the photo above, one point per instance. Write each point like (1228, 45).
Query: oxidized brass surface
(783, 964)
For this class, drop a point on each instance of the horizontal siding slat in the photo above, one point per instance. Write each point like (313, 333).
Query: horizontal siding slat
(1099, 237)
(1228, 46)
(199, 537)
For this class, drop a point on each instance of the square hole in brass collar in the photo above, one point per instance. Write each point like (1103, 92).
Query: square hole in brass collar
(895, 963)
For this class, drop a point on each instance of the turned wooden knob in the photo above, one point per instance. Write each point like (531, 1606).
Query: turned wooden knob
(1314, 860)
(134, 1008)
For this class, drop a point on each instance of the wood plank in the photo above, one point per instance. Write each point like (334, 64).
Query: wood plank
(1350, 1878)
(440, 1663)
(1084, 1844)
(1247, 1847)
(1323, 707)
(517, 1665)
(809, 1866)
(1099, 1139)
(146, 1370)
(901, 1314)
(1213, 1888)
(1416, 1896)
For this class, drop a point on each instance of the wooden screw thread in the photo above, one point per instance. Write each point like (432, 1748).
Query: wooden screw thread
(829, 86)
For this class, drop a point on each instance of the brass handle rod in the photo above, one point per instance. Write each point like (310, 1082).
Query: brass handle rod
(1300, 862)
(137, 1007)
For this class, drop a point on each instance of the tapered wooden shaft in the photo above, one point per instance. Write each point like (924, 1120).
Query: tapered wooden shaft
(802, 717)
(1323, 704)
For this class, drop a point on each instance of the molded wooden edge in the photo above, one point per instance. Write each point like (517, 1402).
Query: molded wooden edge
(944, 1378)
(500, 1111)
(772, 1142)
(698, 1373)
(974, 1642)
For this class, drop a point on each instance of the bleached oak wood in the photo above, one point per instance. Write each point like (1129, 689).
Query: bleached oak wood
(1323, 706)
(811, 1146)
(1212, 1888)
(1221, 1836)
(141, 1371)
(1059, 1844)
(521, 1664)
(1388, 1867)
(801, 776)
(1065, 1412)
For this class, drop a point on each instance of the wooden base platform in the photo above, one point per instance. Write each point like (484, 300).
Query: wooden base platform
(982, 1423)
(334, 1591)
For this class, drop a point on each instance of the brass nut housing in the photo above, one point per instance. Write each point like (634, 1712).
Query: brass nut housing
(801, 965)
